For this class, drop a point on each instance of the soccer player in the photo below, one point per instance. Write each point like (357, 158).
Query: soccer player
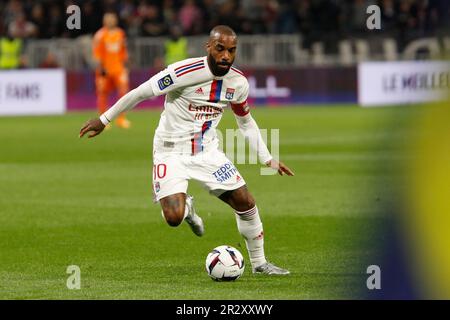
(110, 55)
(185, 144)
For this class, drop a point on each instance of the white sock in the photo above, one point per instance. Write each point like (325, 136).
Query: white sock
(250, 227)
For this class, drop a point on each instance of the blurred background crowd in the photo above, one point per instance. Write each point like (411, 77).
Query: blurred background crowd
(306, 22)
(311, 18)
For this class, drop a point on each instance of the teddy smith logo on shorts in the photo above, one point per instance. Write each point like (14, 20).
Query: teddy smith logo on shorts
(225, 172)
(205, 112)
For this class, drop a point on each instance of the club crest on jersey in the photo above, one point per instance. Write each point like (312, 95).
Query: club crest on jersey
(229, 94)
(164, 82)
(157, 187)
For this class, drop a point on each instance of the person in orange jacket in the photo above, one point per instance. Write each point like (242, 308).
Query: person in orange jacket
(111, 55)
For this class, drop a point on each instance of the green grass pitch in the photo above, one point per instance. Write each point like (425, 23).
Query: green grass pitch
(88, 202)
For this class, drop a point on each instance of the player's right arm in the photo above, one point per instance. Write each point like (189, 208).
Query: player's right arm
(161, 83)
(127, 102)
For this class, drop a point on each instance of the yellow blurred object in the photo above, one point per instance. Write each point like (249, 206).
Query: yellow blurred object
(10, 52)
(428, 215)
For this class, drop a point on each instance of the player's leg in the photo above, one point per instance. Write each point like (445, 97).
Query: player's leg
(122, 84)
(173, 208)
(179, 207)
(251, 228)
(248, 222)
(170, 184)
(239, 199)
(222, 178)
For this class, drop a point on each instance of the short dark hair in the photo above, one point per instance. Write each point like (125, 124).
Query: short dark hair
(222, 29)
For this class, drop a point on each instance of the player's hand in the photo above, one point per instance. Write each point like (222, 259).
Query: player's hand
(280, 167)
(94, 125)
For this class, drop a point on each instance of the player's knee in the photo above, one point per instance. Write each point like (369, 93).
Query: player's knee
(249, 201)
(172, 217)
(249, 204)
(246, 203)
(173, 222)
(173, 208)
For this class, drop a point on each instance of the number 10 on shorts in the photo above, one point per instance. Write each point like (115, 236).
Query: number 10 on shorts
(159, 171)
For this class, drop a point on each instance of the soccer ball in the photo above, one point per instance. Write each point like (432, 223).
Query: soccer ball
(225, 263)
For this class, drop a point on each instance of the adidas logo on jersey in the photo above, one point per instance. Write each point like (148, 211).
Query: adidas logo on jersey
(199, 91)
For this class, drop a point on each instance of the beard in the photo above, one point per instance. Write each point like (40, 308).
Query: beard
(218, 69)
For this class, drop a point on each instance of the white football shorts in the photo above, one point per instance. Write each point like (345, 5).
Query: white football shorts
(171, 173)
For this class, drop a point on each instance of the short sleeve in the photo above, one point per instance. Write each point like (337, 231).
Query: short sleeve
(240, 107)
(164, 81)
(179, 74)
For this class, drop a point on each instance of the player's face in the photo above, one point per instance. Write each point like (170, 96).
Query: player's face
(110, 20)
(221, 54)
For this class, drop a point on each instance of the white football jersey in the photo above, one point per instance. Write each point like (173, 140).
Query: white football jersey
(195, 101)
